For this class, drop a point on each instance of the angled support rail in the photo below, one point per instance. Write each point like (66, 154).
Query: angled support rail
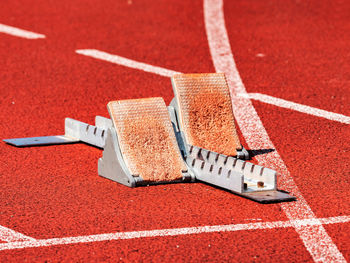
(75, 131)
(246, 179)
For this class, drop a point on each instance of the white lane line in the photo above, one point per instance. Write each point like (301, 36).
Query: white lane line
(126, 62)
(171, 232)
(14, 31)
(315, 238)
(9, 235)
(255, 96)
(297, 107)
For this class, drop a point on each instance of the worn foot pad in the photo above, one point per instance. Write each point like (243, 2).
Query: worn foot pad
(205, 112)
(146, 139)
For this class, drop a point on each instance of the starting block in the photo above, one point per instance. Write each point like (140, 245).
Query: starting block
(145, 142)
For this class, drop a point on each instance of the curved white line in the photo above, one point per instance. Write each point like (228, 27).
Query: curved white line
(315, 238)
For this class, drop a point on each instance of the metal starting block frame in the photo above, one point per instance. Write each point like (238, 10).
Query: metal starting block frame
(240, 177)
(231, 173)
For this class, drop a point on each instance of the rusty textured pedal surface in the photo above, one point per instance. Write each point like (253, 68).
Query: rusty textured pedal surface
(146, 138)
(205, 112)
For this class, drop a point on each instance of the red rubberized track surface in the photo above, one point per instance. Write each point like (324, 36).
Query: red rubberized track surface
(295, 50)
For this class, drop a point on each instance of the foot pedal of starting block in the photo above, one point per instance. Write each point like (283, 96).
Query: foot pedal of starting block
(141, 147)
(75, 131)
(203, 110)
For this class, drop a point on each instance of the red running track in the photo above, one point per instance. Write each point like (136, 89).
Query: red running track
(52, 192)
